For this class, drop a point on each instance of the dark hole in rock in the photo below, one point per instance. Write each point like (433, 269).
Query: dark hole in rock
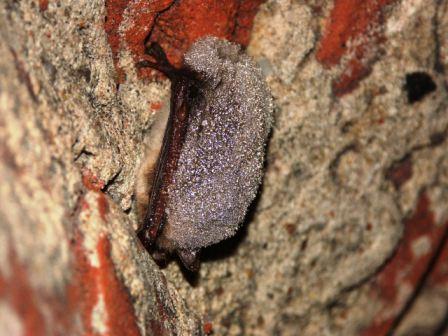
(418, 85)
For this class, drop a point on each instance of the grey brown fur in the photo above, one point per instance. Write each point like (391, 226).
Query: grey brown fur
(221, 162)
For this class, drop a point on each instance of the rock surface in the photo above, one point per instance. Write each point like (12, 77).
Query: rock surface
(349, 233)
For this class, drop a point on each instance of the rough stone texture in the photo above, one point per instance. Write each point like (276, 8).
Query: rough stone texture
(349, 233)
(70, 143)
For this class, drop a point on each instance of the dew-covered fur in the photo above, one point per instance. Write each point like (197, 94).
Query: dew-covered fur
(221, 161)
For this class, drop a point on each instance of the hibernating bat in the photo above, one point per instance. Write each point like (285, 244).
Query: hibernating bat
(210, 162)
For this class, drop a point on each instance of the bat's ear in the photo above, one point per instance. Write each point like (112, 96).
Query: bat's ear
(190, 259)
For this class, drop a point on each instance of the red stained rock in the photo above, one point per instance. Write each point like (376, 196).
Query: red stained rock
(186, 21)
(440, 274)
(121, 319)
(141, 15)
(244, 20)
(81, 297)
(91, 282)
(175, 25)
(91, 182)
(83, 292)
(405, 268)
(208, 328)
(103, 206)
(114, 17)
(17, 291)
(43, 5)
(363, 34)
(400, 172)
(156, 106)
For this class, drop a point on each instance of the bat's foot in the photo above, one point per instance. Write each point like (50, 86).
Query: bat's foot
(161, 63)
(190, 259)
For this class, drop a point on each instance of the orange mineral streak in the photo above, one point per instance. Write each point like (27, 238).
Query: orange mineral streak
(121, 318)
(43, 5)
(405, 268)
(353, 29)
(186, 21)
(207, 328)
(17, 291)
(83, 291)
(112, 22)
(156, 106)
(92, 182)
(103, 206)
(42, 313)
(92, 282)
(175, 25)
